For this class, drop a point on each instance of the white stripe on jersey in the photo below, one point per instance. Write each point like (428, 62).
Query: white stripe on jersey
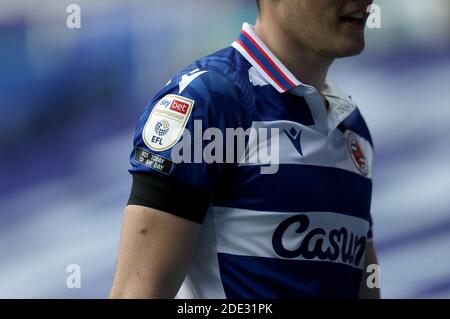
(318, 149)
(250, 233)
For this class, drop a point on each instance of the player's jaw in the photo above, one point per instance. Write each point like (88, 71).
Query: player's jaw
(331, 28)
(350, 24)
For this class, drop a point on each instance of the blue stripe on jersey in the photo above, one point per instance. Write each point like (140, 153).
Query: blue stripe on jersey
(299, 188)
(271, 278)
(357, 124)
(275, 106)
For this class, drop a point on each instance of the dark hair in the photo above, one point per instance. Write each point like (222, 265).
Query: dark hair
(257, 4)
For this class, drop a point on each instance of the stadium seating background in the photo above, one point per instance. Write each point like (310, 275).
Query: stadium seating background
(69, 100)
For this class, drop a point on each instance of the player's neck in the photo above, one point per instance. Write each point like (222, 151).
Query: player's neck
(306, 65)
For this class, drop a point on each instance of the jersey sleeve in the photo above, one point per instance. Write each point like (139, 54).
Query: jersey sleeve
(170, 167)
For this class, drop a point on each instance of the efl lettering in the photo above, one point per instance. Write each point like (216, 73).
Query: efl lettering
(157, 139)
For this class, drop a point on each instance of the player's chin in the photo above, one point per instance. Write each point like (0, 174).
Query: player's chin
(349, 46)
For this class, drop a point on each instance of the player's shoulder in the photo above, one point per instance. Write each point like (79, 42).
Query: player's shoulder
(215, 83)
(211, 89)
(228, 63)
(220, 74)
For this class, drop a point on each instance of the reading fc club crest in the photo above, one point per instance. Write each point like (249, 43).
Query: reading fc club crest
(356, 154)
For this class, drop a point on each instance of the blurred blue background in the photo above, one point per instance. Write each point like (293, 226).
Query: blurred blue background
(70, 98)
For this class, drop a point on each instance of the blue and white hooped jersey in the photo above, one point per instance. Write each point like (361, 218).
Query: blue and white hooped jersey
(300, 232)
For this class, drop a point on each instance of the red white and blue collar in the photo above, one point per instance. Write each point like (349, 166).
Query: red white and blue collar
(263, 60)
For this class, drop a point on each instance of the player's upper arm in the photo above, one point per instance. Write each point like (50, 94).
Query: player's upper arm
(154, 253)
(170, 197)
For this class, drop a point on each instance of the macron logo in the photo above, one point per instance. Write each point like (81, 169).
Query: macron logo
(294, 136)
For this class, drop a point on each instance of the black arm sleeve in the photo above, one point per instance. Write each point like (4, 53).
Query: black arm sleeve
(170, 196)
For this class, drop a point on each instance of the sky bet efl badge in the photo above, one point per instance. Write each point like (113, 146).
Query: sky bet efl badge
(356, 154)
(166, 122)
